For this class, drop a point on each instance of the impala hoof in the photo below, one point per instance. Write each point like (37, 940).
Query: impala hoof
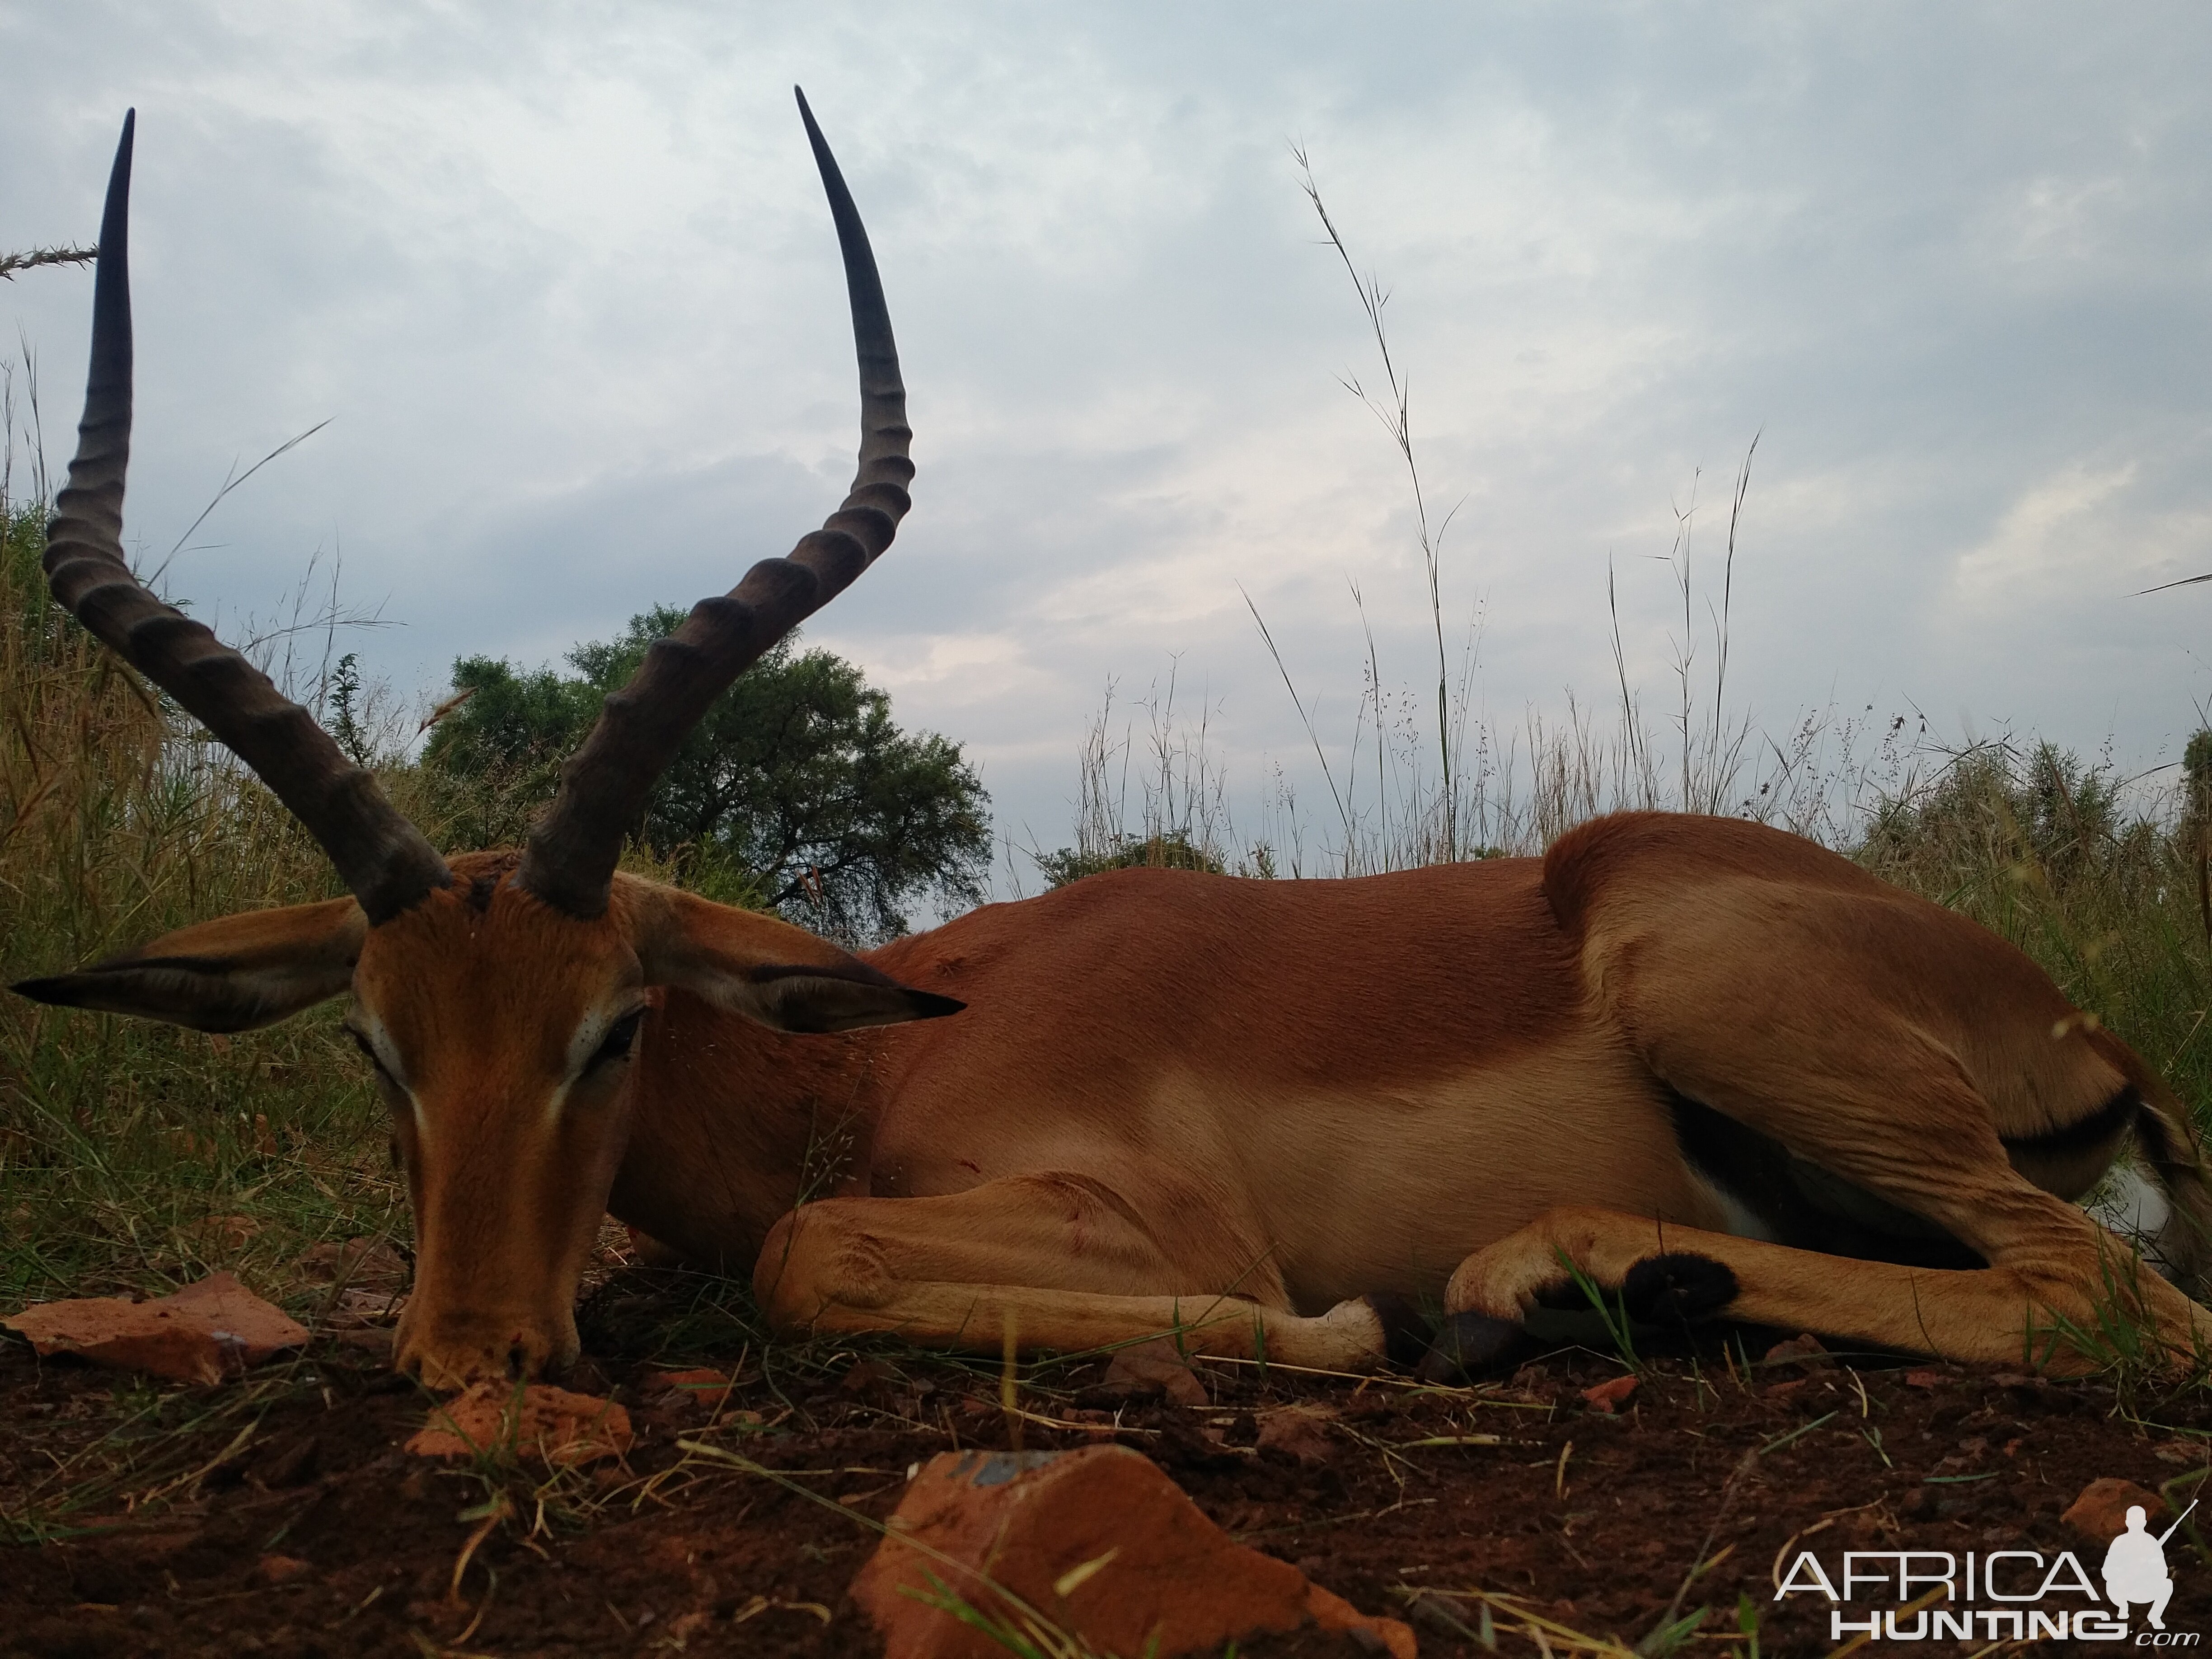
(1473, 1344)
(1407, 1336)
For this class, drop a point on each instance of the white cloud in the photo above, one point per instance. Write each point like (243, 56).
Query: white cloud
(2058, 535)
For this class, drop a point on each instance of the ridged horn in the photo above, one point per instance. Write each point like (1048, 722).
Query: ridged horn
(570, 860)
(380, 855)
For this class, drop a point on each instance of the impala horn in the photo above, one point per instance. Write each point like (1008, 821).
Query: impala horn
(382, 857)
(570, 860)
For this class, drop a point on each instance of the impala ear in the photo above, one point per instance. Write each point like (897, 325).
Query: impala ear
(230, 975)
(767, 969)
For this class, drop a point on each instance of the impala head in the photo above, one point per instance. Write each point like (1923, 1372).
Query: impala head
(498, 995)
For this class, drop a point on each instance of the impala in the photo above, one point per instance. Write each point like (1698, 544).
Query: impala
(1709, 1066)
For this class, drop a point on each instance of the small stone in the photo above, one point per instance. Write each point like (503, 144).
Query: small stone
(287, 1463)
(1301, 1431)
(1609, 1397)
(703, 1386)
(354, 1311)
(1805, 1350)
(281, 1569)
(1925, 1379)
(864, 1378)
(202, 1333)
(1155, 1367)
(559, 1428)
(2100, 1513)
(2183, 1454)
(1100, 1541)
(370, 1264)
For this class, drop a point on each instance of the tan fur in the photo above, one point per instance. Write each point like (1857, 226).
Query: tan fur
(1234, 1107)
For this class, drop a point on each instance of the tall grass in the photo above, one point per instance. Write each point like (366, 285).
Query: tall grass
(2110, 899)
(1427, 780)
(133, 1154)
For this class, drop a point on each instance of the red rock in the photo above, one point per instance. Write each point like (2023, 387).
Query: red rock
(1100, 1543)
(1607, 1397)
(2100, 1513)
(1925, 1379)
(1155, 1367)
(281, 1569)
(538, 1421)
(1300, 1430)
(202, 1333)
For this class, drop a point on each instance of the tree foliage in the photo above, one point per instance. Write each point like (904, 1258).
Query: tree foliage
(1174, 850)
(796, 792)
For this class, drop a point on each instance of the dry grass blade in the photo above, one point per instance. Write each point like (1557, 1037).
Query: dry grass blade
(38, 256)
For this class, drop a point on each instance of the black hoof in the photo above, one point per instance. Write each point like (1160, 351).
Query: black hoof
(1473, 1344)
(1406, 1334)
(1667, 1293)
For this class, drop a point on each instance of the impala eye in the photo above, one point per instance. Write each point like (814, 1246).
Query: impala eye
(620, 1037)
(367, 1048)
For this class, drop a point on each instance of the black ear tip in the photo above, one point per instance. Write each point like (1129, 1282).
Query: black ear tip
(39, 990)
(927, 1004)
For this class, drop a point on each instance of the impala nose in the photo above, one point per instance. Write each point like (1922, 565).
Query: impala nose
(458, 1350)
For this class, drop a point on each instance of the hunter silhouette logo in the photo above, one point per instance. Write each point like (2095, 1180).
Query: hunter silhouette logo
(2135, 1567)
(2032, 1593)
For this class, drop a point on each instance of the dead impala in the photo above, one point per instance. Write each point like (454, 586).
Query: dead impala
(1714, 1067)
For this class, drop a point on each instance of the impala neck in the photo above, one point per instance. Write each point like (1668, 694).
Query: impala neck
(733, 1125)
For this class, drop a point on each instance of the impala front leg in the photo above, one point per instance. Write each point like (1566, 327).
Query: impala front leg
(1059, 1257)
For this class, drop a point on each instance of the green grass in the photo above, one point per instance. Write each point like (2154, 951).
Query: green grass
(125, 1147)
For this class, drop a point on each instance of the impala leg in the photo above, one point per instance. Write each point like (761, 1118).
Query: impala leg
(1916, 1133)
(1895, 1061)
(1059, 1256)
(1996, 1315)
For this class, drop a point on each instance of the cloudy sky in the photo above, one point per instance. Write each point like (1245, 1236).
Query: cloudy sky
(559, 279)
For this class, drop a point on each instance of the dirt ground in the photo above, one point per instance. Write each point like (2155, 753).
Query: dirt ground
(281, 1516)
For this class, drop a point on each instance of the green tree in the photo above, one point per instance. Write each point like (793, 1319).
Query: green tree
(796, 792)
(1171, 851)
